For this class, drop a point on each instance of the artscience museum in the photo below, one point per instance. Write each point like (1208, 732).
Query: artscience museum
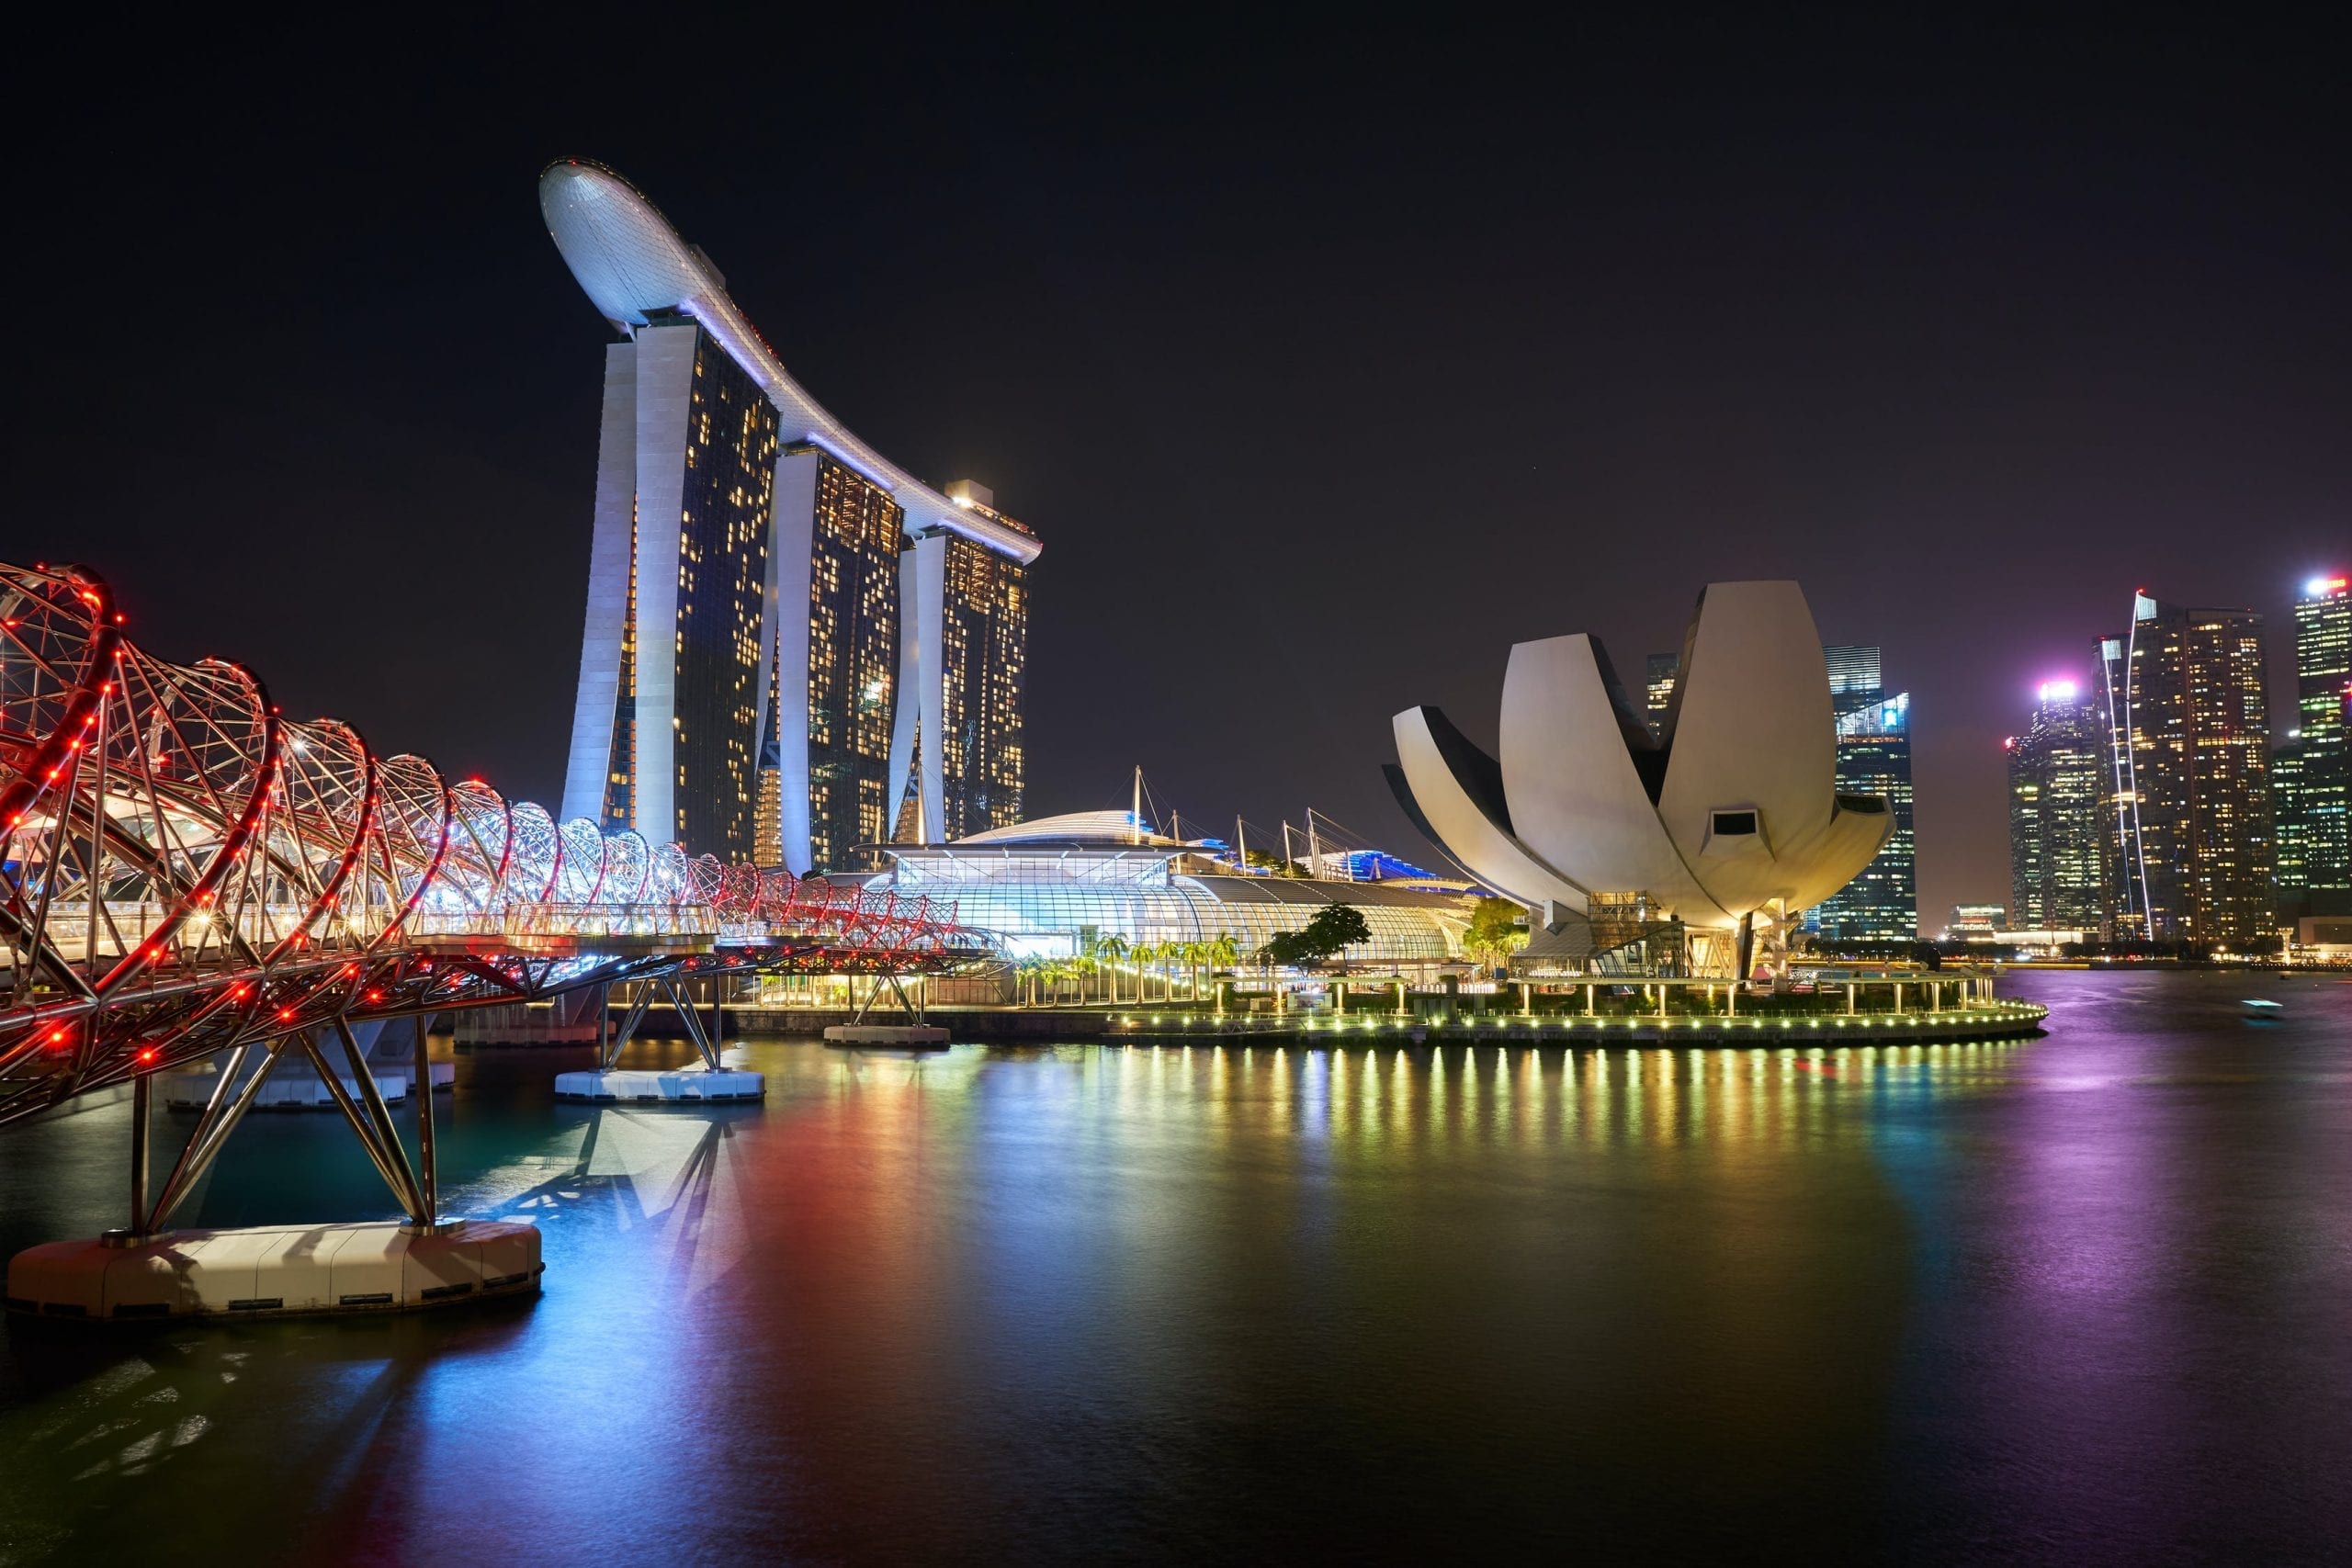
(1726, 824)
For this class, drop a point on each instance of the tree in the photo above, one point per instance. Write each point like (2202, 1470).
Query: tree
(1497, 929)
(1335, 927)
(1267, 861)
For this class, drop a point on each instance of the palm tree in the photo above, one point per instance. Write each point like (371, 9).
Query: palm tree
(1114, 952)
(1224, 950)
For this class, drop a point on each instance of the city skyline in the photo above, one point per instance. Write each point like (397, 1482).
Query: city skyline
(1765, 356)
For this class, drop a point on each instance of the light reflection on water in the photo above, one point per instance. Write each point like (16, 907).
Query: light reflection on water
(2077, 1299)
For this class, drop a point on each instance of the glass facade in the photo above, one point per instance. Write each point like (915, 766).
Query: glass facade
(2188, 821)
(1658, 690)
(1881, 904)
(2291, 806)
(2323, 691)
(983, 670)
(620, 763)
(729, 458)
(2056, 769)
(722, 583)
(1047, 902)
(852, 664)
(1854, 679)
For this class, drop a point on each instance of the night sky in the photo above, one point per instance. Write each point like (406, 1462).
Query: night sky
(1327, 358)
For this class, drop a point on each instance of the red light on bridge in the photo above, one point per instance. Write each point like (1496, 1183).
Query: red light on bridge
(148, 1055)
(285, 1013)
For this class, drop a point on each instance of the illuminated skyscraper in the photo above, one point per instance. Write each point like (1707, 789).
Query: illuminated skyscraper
(2055, 771)
(678, 563)
(2322, 819)
(2187, 788)
(1881, 904)
(746, 646)
(958, 763)
(1658, 690)
(1854, 678)
(2292, 817)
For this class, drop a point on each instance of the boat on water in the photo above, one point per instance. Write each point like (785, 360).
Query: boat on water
(2262, 1006)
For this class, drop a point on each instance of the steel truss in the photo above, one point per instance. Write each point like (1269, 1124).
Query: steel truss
(184, 873)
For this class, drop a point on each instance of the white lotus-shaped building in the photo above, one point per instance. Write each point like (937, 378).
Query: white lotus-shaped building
(1731, 815)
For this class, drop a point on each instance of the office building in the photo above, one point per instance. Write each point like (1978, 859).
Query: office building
(2292, 815)
(2056, 869)
(1881, 903)
(1658, 690)
(1970, 921)
(755, 677)
(2321, 816)
(2188, 734)
(1854, 678)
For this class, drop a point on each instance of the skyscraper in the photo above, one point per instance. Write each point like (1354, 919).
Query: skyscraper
(2292, 814)
(1658, 690)
(1881, 904)
(2187, 787)
(1854, 678)
(2322, 817)
(957, 759)
(2055, 773)
(748, 663)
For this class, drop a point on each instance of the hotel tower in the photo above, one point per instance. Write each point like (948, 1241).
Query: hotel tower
(792, 646)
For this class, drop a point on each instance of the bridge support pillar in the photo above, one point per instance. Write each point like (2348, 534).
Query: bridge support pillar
(429, 1168)
(142, 1100)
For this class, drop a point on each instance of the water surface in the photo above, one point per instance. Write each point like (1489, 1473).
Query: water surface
(2081, 1299)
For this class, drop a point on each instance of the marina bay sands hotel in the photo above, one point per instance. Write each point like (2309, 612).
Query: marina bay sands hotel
(793, 646)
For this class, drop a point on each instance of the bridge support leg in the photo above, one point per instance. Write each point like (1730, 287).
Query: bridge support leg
(381, 1116)
(610, 1053)
(397, 1177)
(142, 1100)
(428, 1166)
(692, 1019)
(227, 1106)
(905, 1001)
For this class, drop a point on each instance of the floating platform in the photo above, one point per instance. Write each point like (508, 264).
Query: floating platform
(690, 1084)
(915, 1036)
(275, 1271)
(295, 1085)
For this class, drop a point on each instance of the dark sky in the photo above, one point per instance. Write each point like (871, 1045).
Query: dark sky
(1329, 357)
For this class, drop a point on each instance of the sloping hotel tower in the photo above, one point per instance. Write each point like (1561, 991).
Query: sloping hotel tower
(792, 646)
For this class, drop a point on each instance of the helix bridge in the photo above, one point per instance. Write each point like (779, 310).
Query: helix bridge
(187, 876)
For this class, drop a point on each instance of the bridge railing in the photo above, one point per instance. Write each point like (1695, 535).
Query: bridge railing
(524, 921)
